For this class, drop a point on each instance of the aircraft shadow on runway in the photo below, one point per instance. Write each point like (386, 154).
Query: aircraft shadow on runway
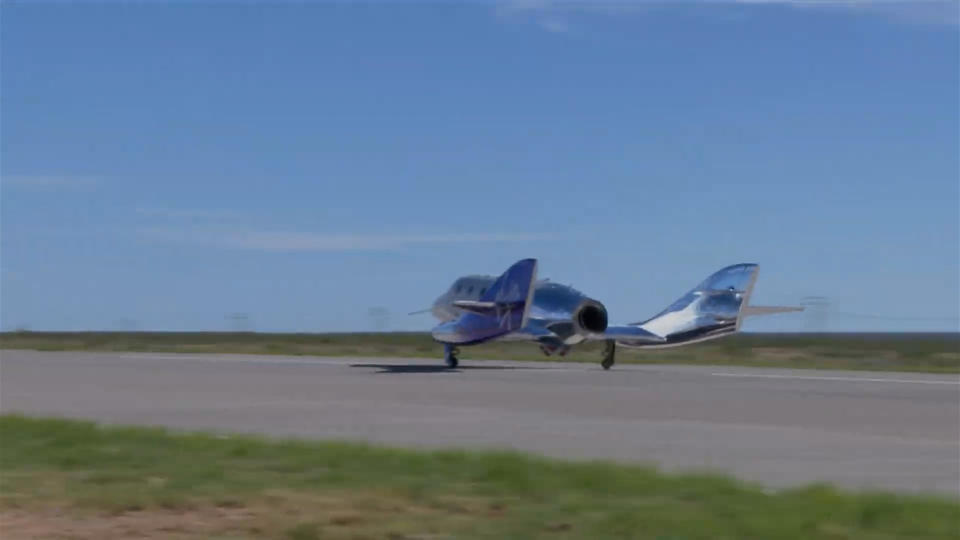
(422, 368)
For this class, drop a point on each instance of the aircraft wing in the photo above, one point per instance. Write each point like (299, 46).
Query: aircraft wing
(631, 333)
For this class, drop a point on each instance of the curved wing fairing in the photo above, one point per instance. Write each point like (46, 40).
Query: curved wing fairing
(712, 309)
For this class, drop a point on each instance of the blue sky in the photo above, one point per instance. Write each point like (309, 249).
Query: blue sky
(166, 164)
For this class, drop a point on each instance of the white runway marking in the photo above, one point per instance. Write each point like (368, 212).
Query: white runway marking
(348, 362)
(240, 360)
(534, 366)
(823, 378)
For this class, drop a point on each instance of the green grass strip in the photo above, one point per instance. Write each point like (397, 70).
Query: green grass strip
(312, 489)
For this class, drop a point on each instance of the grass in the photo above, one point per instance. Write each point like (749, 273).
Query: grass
(935, 353)
(78, 479)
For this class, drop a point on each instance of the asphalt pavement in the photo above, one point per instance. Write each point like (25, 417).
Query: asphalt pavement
(891, 431)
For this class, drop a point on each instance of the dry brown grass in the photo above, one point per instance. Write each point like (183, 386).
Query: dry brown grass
(276, 514)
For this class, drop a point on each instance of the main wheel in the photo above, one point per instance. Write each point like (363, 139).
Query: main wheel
(609, 354)
(450, 358)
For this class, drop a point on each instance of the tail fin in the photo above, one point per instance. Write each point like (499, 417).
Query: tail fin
(503, 308)
(514, 287)
(714, 308)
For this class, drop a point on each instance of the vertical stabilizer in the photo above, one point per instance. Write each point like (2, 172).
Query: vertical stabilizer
(503, 308)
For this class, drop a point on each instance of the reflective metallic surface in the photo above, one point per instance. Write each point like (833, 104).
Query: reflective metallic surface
(494, 309)
(559, 316)
(551, 317)
(711, 309)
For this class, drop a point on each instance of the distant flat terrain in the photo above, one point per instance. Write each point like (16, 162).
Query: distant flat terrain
(929, 352)
(894, 431)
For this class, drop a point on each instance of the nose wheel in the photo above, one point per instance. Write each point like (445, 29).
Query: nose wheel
(609, 351)
(450, 356)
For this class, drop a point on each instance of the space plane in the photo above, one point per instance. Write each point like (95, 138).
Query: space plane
(516, 306)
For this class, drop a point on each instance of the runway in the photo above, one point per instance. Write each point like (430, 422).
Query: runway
(892, 431)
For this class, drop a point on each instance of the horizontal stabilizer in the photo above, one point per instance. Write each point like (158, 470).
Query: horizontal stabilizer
(767, 310)
(476, 306)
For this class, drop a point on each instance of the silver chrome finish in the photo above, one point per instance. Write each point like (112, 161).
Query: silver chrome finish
(559, 316)
(710, 310)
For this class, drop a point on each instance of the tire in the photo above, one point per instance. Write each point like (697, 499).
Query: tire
(609, 354)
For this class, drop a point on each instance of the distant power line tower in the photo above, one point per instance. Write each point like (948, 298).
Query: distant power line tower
(379, 317)
(816, 313)
(239, 322)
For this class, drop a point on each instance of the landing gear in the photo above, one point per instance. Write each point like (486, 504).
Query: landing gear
(450, 355)
(609, 349)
